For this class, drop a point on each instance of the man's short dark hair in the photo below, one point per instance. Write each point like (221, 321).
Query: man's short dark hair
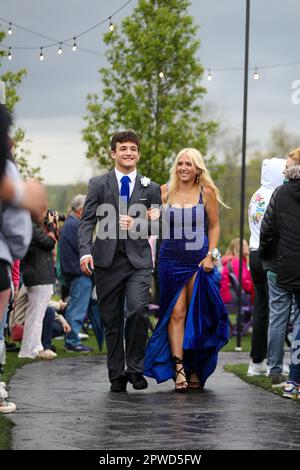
(124, 136)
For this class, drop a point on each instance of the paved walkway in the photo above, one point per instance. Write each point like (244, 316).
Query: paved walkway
(65, 404)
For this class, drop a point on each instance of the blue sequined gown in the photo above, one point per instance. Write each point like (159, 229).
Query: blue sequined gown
(207, 326)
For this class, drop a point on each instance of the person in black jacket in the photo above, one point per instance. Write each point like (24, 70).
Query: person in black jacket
(80, 284)
(39, 277)
(280, 250)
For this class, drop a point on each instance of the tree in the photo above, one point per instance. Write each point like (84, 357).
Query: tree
(279, 143)
(152, 84)
(21, 154)
(12, 81)
(60, 196)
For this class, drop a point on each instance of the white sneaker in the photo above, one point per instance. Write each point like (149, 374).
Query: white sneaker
(4, 386)
(47, 354)
(286, 369)
(5, 406)
(83, 336)
(260, 368)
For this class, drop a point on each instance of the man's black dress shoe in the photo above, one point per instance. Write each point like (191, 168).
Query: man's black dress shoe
(137, 380)
(119, 385)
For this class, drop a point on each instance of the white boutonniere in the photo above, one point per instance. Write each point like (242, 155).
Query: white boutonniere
(145, 181)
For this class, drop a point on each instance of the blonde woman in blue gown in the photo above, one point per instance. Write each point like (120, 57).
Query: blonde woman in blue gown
(193, 323)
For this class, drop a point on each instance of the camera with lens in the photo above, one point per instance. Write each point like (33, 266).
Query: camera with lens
(59, 218)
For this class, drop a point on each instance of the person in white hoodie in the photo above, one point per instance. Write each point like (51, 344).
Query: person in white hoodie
(283, 308)
(272, 175)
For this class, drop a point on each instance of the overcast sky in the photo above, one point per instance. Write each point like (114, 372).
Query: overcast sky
(54, 92)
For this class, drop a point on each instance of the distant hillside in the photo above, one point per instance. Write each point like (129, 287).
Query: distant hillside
(60, 196)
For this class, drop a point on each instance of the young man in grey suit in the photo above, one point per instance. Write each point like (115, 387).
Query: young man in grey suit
(121, 257)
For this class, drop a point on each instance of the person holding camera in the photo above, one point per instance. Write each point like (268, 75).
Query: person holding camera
(39, 276)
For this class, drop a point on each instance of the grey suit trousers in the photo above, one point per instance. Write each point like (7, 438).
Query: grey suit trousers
(123, 296)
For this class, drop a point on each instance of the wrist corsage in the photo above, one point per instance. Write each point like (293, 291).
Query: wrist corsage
(215, 254)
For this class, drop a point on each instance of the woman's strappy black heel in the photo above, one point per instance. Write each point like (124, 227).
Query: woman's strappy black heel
(194, 385)
(180, 387)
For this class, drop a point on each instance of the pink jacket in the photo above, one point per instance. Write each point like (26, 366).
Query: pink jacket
(247, 283)
(16, 274)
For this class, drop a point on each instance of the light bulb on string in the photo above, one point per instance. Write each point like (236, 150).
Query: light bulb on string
(60, 49)
(41, 55)
(161, 75)
(74, 47)
(9, 53)
(111, 25)
(256, 74)
(209, 76)
(9, 29)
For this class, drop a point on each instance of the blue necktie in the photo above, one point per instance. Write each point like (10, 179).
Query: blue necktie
(125, 191)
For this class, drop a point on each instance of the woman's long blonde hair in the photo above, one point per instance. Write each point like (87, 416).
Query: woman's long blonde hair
(295, 155)
(233, 247)
(203, 179)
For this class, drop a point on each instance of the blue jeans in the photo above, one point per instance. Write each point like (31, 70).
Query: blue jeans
(295, 352)
(47, 327)
(80, 294)
(280, 304)
(2, 344)
(96, 321)
(2, 326)
(51, 328)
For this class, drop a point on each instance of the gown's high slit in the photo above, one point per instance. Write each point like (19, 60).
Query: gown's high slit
(206, 327)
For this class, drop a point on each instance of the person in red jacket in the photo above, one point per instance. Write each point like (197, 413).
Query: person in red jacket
(230, 263)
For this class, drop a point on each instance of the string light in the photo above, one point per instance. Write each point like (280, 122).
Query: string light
(111, 25)
(54, 42)
(74, 47)
(256, 74)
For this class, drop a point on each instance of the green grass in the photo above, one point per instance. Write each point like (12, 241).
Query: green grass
(5, 433)
(259, 381)
(14, 363)
(245, 344)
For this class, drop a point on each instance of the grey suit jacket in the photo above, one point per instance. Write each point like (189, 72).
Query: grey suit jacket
(102, 206)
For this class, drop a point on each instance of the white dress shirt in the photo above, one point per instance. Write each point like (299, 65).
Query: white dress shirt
(132, 177)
